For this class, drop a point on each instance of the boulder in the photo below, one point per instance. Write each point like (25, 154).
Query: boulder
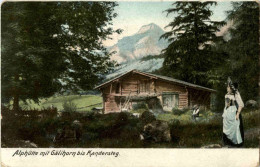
(31, 144)
(137, 115)
(25, 144)
(157, 131)
(251, 103)
(69, 132)
(77, 126)
(147, 117)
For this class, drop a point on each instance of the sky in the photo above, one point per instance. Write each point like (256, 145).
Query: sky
(133, 15)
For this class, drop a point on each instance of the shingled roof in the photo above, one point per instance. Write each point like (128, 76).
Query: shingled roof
(160, 77)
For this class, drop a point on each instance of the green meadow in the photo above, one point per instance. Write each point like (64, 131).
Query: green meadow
(83, 102)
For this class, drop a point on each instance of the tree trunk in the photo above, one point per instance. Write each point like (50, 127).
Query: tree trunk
(16, 103)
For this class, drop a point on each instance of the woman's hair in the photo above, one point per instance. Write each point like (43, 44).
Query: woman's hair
(233, 87)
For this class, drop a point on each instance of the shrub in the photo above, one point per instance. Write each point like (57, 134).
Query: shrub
(175, 122)
(147, 117)
(122, 119)
(140, 105)
(69, 106)
(176, 111)
(140, 111)
(71, 116)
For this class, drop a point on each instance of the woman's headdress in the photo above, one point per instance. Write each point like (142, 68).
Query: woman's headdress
(232, 85)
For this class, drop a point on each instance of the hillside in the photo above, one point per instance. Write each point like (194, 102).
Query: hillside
(145, 64)
(146, 41)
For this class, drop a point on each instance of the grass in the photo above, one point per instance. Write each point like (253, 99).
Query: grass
(186, 117)
(108, 131)
(121, 130)
(80, 101)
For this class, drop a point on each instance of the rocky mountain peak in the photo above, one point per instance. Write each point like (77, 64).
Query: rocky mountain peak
(149, 27)
(143, 43)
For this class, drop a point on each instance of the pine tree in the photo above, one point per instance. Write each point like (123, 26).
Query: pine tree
(50, 45)
(243, 47)
(241, 53)
(190, 56)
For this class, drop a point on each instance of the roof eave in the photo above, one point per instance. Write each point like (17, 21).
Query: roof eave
(155, 77)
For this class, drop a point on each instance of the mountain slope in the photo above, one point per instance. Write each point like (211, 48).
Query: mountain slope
(144, 42)
(146, 64)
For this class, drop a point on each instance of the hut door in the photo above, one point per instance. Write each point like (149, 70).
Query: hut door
(170, 100)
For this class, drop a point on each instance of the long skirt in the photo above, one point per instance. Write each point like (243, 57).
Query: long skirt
(233, 130)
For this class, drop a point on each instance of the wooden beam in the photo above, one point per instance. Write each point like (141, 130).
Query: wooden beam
(110, 88)
(150, 76)
(120, 87)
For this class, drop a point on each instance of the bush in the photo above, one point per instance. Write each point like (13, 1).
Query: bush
(122, 119)
(176, 111)
(69, 106)
(175, 122)
(147, 117)
(140, 111)
(140, 105)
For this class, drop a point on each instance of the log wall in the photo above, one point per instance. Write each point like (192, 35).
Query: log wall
(164, 87)
(135, 84)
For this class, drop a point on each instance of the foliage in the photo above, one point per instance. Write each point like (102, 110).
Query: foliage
(243, 47)
(140, 105)
(69, 106)
(189, 55)
(242, 51)
(47, 46)
(140, 111)
(147, 117)
(109, 131)
(176, 111)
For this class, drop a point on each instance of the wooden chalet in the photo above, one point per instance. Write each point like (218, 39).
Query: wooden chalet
(120, 93)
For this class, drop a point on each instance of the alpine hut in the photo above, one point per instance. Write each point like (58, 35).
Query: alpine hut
(122, 92)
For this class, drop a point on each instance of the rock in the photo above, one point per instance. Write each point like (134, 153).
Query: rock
(25, 144)
(147, 117)
(212, 146)
(141, 137)
(251, 103)
(137, 115)
(31, 144)
(77, 126)
(69, 132)
(157, 131)
(98, 110)
(59, 114)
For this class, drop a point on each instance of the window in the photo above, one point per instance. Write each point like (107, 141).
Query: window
(170, 100)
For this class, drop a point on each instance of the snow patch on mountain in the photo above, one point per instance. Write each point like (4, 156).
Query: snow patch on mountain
(141, 65)
(145, 42)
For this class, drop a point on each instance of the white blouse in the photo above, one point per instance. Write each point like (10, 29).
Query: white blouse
(239, 100)
(237, 97)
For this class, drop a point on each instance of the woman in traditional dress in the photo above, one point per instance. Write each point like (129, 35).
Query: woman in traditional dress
(233, 133)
